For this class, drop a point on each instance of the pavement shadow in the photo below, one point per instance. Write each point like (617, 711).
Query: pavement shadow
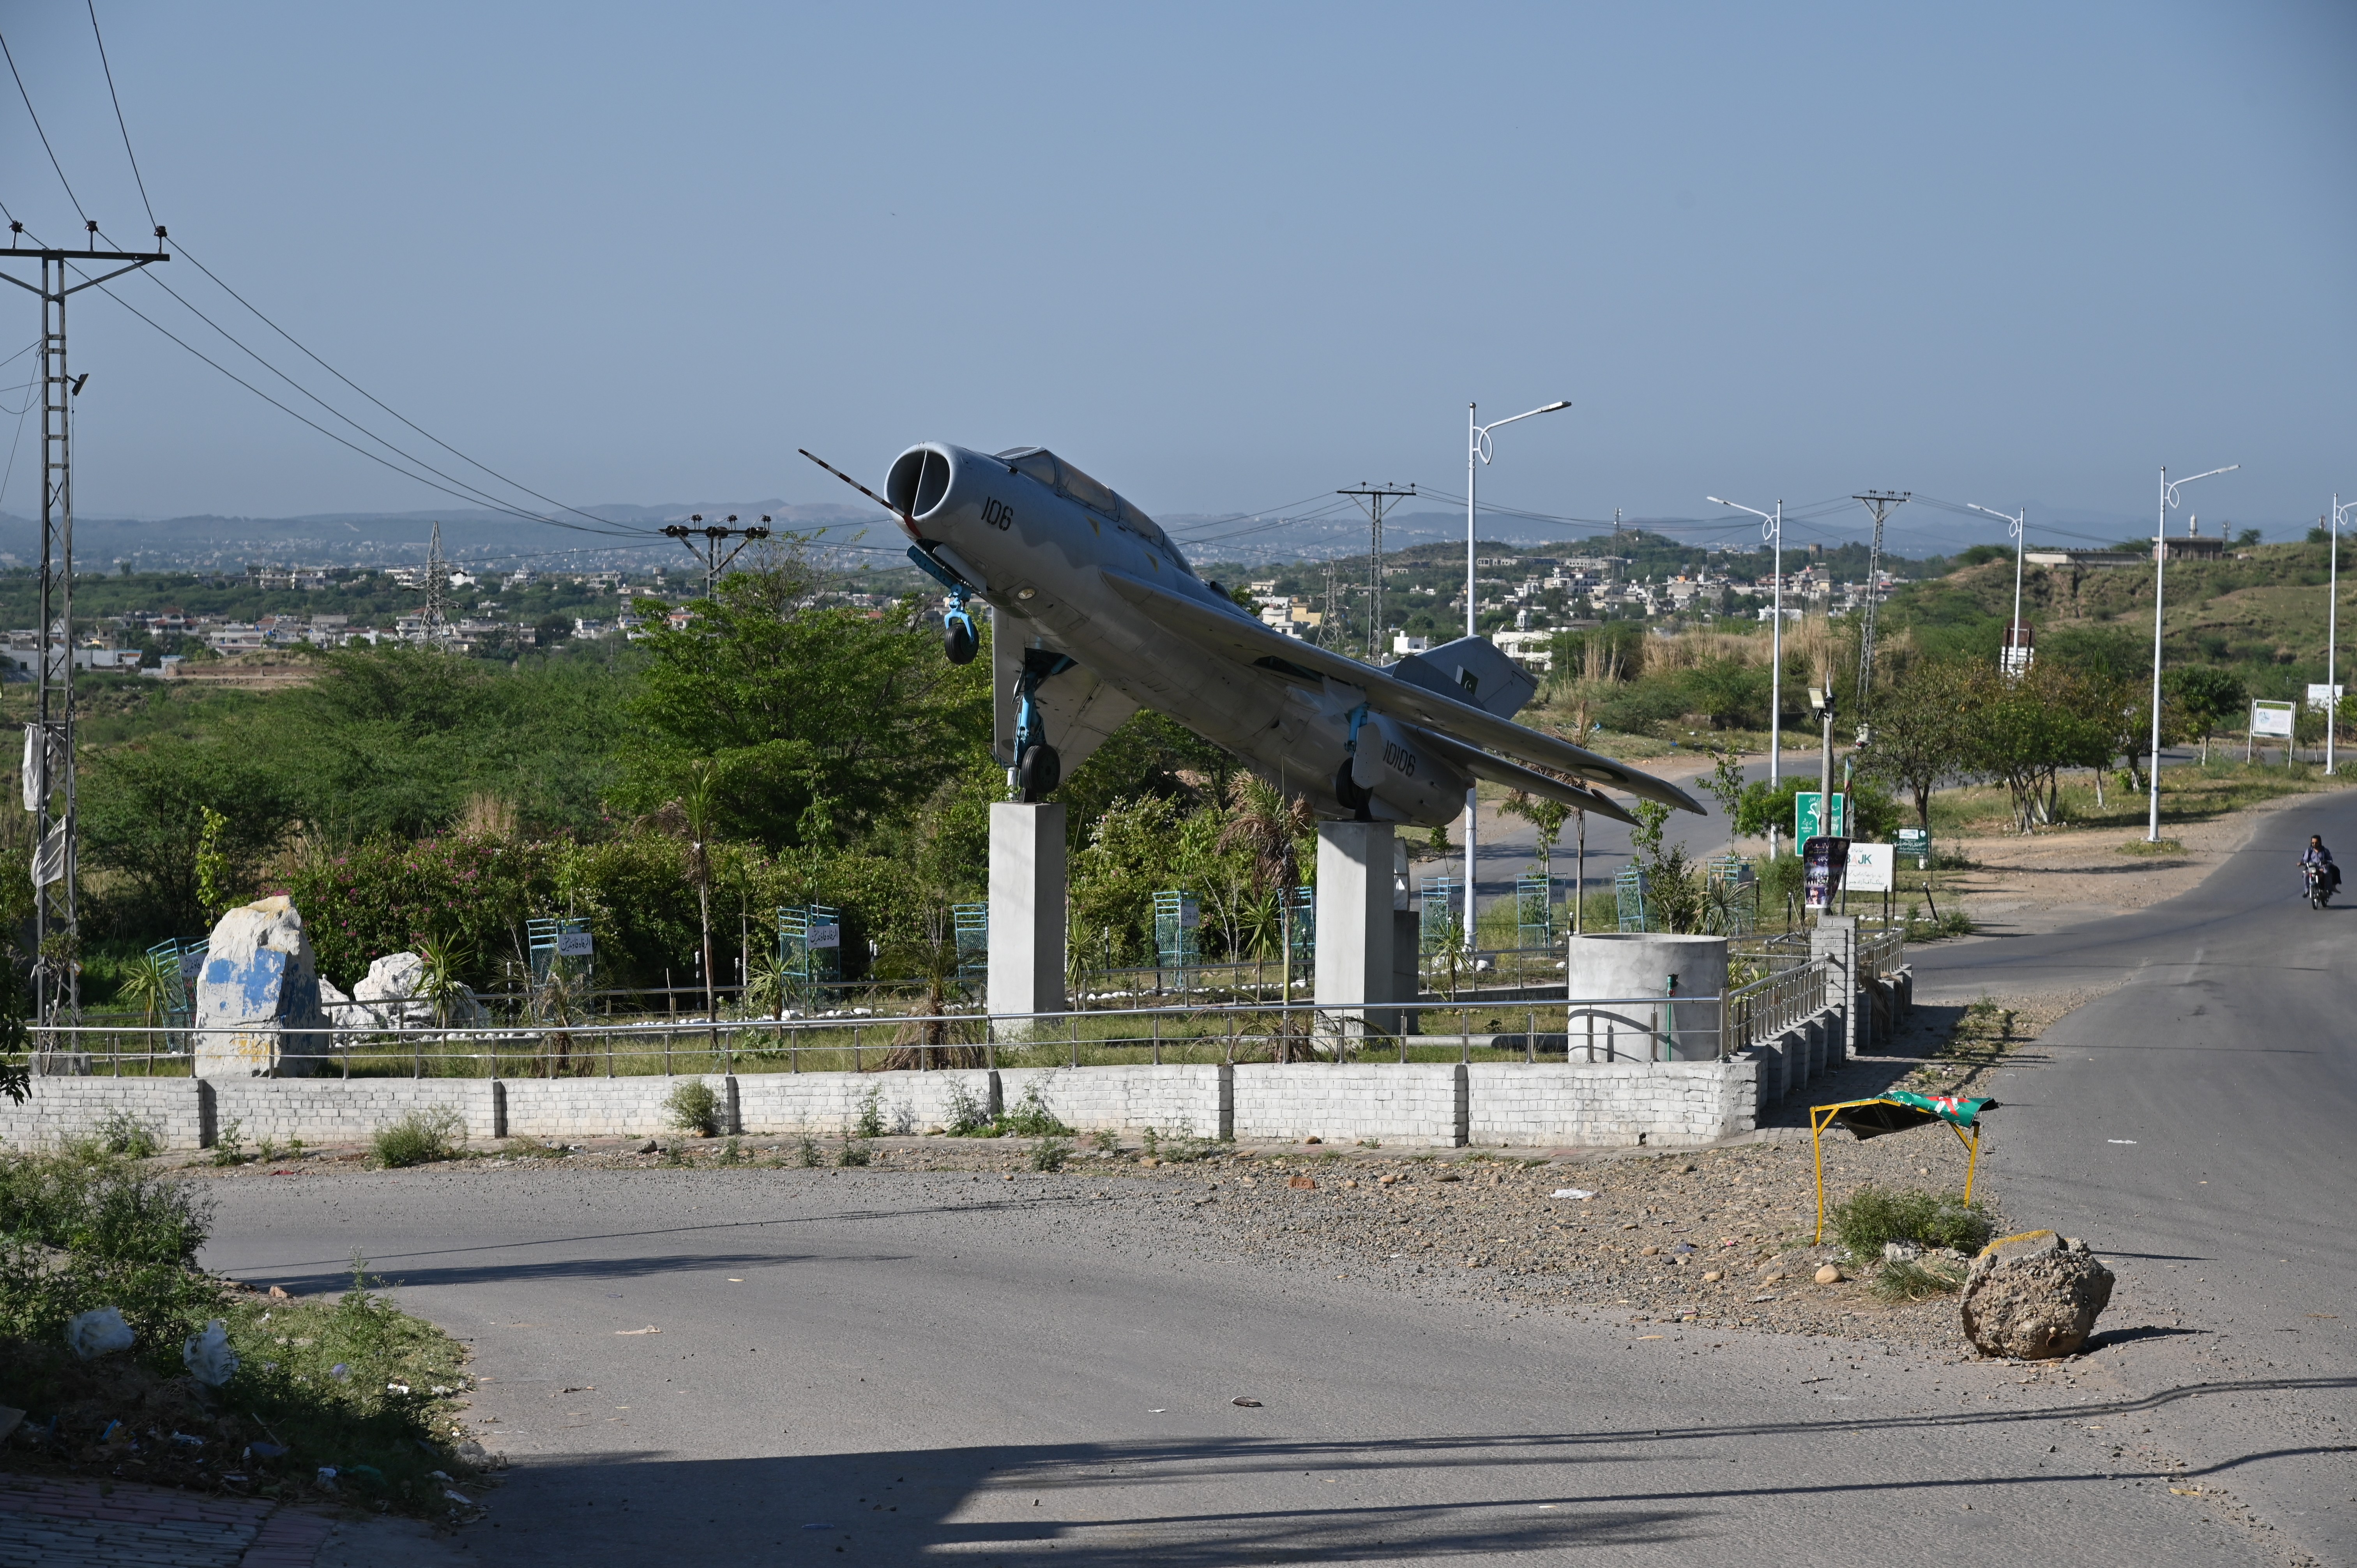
(1211, 1502)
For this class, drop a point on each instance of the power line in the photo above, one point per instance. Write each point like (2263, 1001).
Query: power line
(125, 129)
(44, 134)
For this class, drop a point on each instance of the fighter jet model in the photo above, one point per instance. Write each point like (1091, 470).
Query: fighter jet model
(1098, 615)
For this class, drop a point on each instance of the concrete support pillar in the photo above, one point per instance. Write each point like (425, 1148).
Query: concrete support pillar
(1834, 940)
(1355, 930)
(1027, 912)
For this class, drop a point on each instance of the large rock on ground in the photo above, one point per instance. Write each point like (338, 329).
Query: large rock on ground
(2035, 1295)
(258, 1010)
(390, 996)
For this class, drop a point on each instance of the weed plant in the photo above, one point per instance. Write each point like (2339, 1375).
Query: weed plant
(871, 1113)
(1873, 1215)
(1050, 1154)
(1104, 1140)
(807, 1155)
(419, 1138)
(1030, 1118)
(732, 1153)
(854, 1152)
(692, 1106)
(969, 1116)
(229, 1144)
(123, 1133)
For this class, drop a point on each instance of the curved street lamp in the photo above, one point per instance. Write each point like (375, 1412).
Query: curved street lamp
(1477, 454)
(2160, 566)
(2013, 637)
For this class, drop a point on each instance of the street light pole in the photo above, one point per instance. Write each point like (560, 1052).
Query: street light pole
(2332, 632)
(2160, 568)
(1771, 528)
(2014, 525)
(1477, 453)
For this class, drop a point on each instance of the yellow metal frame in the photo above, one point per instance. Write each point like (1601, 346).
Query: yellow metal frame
(1822, 1117)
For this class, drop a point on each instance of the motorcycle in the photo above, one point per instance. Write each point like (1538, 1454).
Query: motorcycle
(2319, 885)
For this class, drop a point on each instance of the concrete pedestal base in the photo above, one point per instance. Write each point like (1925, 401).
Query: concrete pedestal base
(1354, 932)
(1834, 940)
(1026, 914)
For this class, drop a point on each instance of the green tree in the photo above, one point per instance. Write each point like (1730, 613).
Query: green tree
(811, 707)
(1917, 744)
(2206, 696)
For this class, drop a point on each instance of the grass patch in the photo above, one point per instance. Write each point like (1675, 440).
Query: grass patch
(2144, 846)
(420, 1138)
(1902, 1279)
(1873, 1215)
(350, 1397)
(694, 1106)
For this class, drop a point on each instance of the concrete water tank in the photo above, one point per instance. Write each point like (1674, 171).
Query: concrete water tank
(1614, 967)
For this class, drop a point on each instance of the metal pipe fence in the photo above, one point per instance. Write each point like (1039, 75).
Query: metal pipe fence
(1653, 1028)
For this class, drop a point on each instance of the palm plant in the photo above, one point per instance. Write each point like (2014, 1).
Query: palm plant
(1269, 825)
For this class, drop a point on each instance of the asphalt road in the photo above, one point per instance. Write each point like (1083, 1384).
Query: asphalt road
(912, 1367)
(2195, 1125)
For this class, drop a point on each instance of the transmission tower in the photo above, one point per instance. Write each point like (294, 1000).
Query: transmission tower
(49, 740)
(1374, 499)
(714, 536)
(437, 593)
(1879, 502)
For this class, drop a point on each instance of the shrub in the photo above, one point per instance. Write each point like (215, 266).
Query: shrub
(853, 1152)
(969, 1116)
(102, 1207)
(229, 1144)
(123, 1133)
(871, 1112)
(692, 1106)
(420, 1138)
(1873, 1215)
(806, 1154)
(1049, 1155)
(1911, 1279)
(1030, 1118)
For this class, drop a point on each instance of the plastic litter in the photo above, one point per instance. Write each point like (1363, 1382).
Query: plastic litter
(340, 1370)
(461, 1498)
(1582, 1194)
(101, 1331)
(266, 1451)
(185, 1441)
(328, 1476)
(1247, 1403)
(208, 1357)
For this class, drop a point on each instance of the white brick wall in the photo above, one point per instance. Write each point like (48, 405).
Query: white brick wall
(1413, 1104)
(68, 1107)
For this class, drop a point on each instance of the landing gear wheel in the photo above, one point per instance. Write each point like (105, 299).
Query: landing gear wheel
(1347, 790)
(957, 642)
(1038, 772)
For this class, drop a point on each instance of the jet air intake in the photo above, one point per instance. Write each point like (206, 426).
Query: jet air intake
(919, 480)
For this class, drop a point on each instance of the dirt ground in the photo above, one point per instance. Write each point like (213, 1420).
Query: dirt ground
(1721, 1237)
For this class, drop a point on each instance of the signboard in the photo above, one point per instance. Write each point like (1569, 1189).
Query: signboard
(1916, 844)
(2273, 718)
(1873, 869)
(574, 944)
(1822, 860)
(826, 936)
(1806, 825)
(2320, 695)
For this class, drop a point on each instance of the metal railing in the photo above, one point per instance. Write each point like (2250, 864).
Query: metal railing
(1766, 1008)
(1883, 953)
(1652, 1028)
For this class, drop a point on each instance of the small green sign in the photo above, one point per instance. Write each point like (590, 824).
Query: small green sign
(1806, 825)
(1916, 843)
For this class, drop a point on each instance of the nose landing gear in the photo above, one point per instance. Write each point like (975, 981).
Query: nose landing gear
(958, 639)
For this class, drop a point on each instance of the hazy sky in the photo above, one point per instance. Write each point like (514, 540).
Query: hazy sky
(1223, 256)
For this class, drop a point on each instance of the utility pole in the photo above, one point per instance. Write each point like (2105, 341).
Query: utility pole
(1880, 503)
(1372, 499)
(49, 742)
(714, 536)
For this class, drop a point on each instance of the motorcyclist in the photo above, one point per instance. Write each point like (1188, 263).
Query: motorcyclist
(2316, 854)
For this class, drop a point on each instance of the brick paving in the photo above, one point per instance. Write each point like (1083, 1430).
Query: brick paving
(45, 1521)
